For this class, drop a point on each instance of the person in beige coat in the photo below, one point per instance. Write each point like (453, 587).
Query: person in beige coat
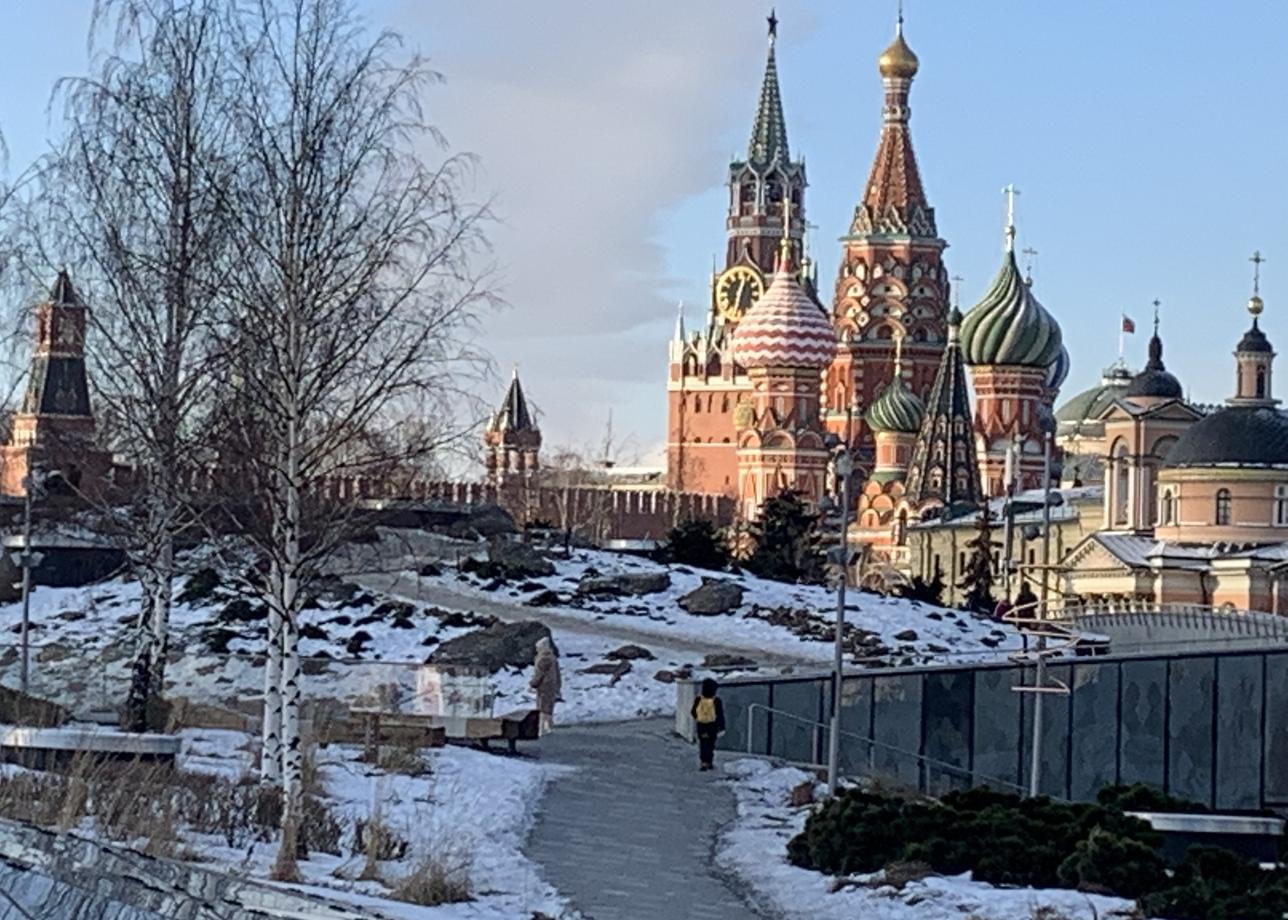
(546, 681)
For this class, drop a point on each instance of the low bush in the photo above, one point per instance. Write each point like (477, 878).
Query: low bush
(697, 542)
(201, 584)
(1107, 863)
(1000, 838)
(1215, 884)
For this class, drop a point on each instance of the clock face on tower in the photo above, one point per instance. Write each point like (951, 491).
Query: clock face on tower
(737, 289)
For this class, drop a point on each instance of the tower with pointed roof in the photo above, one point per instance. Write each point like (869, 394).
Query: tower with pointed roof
(1010, 343)
(54, 431)
(891, 282)
(512, 439)
(785, 342)
(943, 471)
(706, 388)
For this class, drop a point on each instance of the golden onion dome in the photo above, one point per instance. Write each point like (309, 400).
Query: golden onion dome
(898, 59)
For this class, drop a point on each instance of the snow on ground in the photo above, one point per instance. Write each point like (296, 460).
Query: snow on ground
(942, 634)
(754, 849)
(471, 809)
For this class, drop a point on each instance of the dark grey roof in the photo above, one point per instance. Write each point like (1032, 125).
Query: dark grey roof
(513, 414)
(62, 293)
(1155, 380)
(1255, 436)
(945, 446)
(1254, 340)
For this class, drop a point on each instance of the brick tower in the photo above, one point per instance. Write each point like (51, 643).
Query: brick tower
(1010, 342)
(785, 342)
(705, 387)
(892, 282)
(512, 438)
(55, 431)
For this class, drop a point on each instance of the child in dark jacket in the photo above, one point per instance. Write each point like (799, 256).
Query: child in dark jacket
(708, 715)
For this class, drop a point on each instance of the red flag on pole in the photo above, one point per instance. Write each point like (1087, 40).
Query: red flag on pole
(1128, 325)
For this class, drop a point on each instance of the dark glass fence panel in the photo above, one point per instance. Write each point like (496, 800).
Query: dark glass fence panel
(1238, 732)
(948, 716)
(1093, 760)
(997, 728)
(856, 725)
(1140, 749)
(1276, 723)
(737, 698)
(1054, 769)
(897, 726)
(1189, 729)
(798, 739)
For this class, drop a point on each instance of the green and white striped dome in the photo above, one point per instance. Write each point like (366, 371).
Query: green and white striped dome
(896, 409)
(1008, 326)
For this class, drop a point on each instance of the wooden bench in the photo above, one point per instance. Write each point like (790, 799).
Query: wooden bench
(373, 728)
(512, 727)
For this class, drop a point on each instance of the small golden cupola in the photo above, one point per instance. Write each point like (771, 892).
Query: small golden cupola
(898, 61)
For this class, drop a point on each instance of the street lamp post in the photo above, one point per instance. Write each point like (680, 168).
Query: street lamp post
(843, 466)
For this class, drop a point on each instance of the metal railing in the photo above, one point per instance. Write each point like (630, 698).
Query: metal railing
(923, 762)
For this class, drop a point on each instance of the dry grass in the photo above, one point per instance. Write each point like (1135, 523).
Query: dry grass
(148, 804)
(405, 760)
(438, 878)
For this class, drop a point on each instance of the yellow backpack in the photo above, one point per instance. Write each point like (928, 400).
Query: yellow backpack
(706, 710)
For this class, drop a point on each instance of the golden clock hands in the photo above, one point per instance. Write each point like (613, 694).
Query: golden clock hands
(737, 301)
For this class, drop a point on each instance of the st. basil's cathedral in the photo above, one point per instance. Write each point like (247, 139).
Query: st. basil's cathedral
(754, 394)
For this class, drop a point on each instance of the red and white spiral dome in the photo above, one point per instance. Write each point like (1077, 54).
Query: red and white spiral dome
(785, 327)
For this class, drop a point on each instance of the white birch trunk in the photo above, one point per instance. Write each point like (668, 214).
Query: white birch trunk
(159, 641)
(292, 755)
(270, 767)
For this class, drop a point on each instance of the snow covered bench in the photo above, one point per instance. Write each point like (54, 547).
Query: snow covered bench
(511, 727)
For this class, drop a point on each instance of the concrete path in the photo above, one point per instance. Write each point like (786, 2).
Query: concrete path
(630, 835)
(651, 635)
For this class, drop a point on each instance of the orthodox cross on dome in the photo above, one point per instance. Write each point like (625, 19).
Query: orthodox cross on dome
(1157, 303)
(898, 354)
(957, 290)
(1256, 261)
(898, 22)
(1010, 191)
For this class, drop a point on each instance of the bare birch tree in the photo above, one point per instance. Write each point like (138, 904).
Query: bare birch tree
(132, 203)
(354, 289)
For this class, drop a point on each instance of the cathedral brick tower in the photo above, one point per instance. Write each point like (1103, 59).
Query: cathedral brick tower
(512, 439)
(892, 282)
(1010, 342)
(54, 431)
(705, 386)
(785, 342)
(1254, 356)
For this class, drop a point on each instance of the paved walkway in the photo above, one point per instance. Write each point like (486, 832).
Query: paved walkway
(631, 834)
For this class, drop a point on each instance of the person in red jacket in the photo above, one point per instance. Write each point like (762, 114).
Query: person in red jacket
(708, 715)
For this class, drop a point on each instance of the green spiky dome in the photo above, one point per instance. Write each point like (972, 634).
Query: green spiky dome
(896, 409)
(1008, 326)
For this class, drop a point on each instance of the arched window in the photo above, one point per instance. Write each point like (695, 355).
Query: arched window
(697, 404)
(1223, 506)
(901, 528)
(1167, 509)
(1261, 383)
(1281, 506)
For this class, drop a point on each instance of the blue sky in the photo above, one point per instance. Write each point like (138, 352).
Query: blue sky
(1147, 139)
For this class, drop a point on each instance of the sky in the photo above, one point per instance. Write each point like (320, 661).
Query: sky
(1147, 140)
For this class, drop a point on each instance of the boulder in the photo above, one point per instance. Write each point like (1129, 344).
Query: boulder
(713, 597)
(630, 653)
(723, 661)
(631, 584)
(908, 635)
(501, 645)
(356, 642)
(615, 670)
(544, 599)
(517, 561)
(491, 521)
